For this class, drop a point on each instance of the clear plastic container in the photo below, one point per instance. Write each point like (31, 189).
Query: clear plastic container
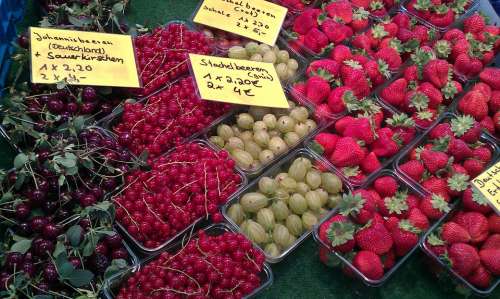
(472, 8)
(403, 157)
(150, 251)
(345, 262)
(436, 261)
(388, 112)
(111, 286)
(282, 165)
(230, 119)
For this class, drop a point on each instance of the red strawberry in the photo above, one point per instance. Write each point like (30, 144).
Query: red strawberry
(414, 169)
(340, 236)
(442, 20)
(389, 260)
(370, 163)
(403, 126)
(425, 118)
(298, 88)
(386, 145)
(493, 242)
(434, 206)
(490, 258)
(307, 20)
(464, 258)
(462, 64)
(327, 142)
(402, 20)
(347, 153)
(390, 56)
(341, 53)
(323, 112)
(433, 94)
(335, 31)
(330, 66)
(315, 40)
(441, 130)
(466, 128)
(421, 33)
(317, 89)
(480, 277)
(359, 19)
(405, 237)
(457, 183)
(494, 224)
(359, 204)
(394, 206)
(375, 238)
(453, 35)
(491, 76)
(436, 71)
(391, 223)
(459, 150)
(461, 46)
(494, 103)
(386, 186)
(482, 153)
(394, 93)
(474, 103)
(411, 73)
(474, 167)
(454, 233)
(496, 120)
(488, 125)
(361, 3)
(476, 224)
(361, 129)
(354, 77)
(369, 264)
(418, 219)
(340, 10)
(340, 97)
(342, 123)
(434, 160)
(362, 41)
(474, 23)
(436, 185)
(325, 225)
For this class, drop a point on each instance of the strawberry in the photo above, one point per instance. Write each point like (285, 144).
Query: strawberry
(491, 76)
(315, 40)
(389, 260)
(326, 142)
(402, 20)
(462, 64)
(494, 103)
(434, 160)
(325, 225)
(369, 264)
(488, 125)
(394, 93)
(341, 53)
(482, 153)
(317, 89)
(391, 223)
(359, 19)
(496, 120)
(361, 3)
(306, 21)
(480, 277)
(359, 204)
(377, 71)
(340, 10)
(340, 236)
(459, 150)
(474, 103)
(433, 94)
(440, 130)
(394, 206)
(474, 23)
(414, 169)
(457, 168)
(436, 245)
(390, 56)
(361, 129)
(464, 258)
(425, 118)
(442, 20)
(436, 185)
(493, 242)
(442, 48)
(436, 71)
(457, 183)
(323, 112)
(328, 67)
(474, 167)
(453, 35)
(347, 153)
(466, 128)
(386, 145)
(494, 223)
(452, 233)
(405, 237)
(374, 237)
(403, 126)
(476, 224)
(418, 219)
(370, 163)
(386, 186)
(341, 97)
(434, 206)
(490, 258)
(298, 88)
(335, 31)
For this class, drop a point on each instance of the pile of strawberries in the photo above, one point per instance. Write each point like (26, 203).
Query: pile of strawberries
(333, 83)
(377, 8)
(358, 145)
(316, 30)
(162, 55)
(483, 101)
(189, 183)
(469, 50)
(400, 33)
(469, 242)
(438, 13)
(377, 226)
(424, 89)
(450, 157)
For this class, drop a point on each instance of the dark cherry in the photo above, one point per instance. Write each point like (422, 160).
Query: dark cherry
(55, 105)
(114, 241)
(89, 94)
(75, 261)
(51, 231)
(50, 273)
(119, 253)
(37, 223)
(22, 211)
(13, 260)
(101, 248)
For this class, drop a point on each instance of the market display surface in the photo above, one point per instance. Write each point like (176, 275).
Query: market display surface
(360, 189)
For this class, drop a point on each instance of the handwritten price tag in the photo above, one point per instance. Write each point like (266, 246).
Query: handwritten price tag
(237, 81)
(488, 183)
(256, 19)
(82, 58)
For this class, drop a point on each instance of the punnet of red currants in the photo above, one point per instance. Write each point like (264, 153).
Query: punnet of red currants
(223, 266)
(166, 119)
(189, 183)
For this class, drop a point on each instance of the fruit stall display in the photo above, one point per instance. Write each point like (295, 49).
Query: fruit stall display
(158, 193)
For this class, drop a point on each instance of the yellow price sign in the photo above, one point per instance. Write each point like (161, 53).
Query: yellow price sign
(256, 19)
(82, 58)
(238, 81)
(488, 183)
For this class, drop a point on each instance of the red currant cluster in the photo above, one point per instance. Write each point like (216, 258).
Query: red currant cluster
(189, 183)
(166, 119)
(163, 55)
(224, 266)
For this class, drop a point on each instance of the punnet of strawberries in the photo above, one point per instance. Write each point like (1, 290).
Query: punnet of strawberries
(162, 55)
(361, 144)
(316, 30)
(208, 266)
(452, 154)
(424, 89)
(166, 119)
(394, 39)
(441, 14)
(342, 81)
(469, 49)
(468, 241)
(482, 101)
(189, 183)
(377, 226)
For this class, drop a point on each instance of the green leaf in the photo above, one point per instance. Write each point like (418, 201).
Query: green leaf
(6, 197)
(21, 177)
(20, 160)
(60, 248)
(79, 123)
(65, 270)
(74, 235)
(61, 180)
(21, 246)
(80, 278)
(89, 246)
(72, 170)
(79, 22)
(115, 267)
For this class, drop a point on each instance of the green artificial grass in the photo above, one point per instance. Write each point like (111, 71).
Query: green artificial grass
(301, 274)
